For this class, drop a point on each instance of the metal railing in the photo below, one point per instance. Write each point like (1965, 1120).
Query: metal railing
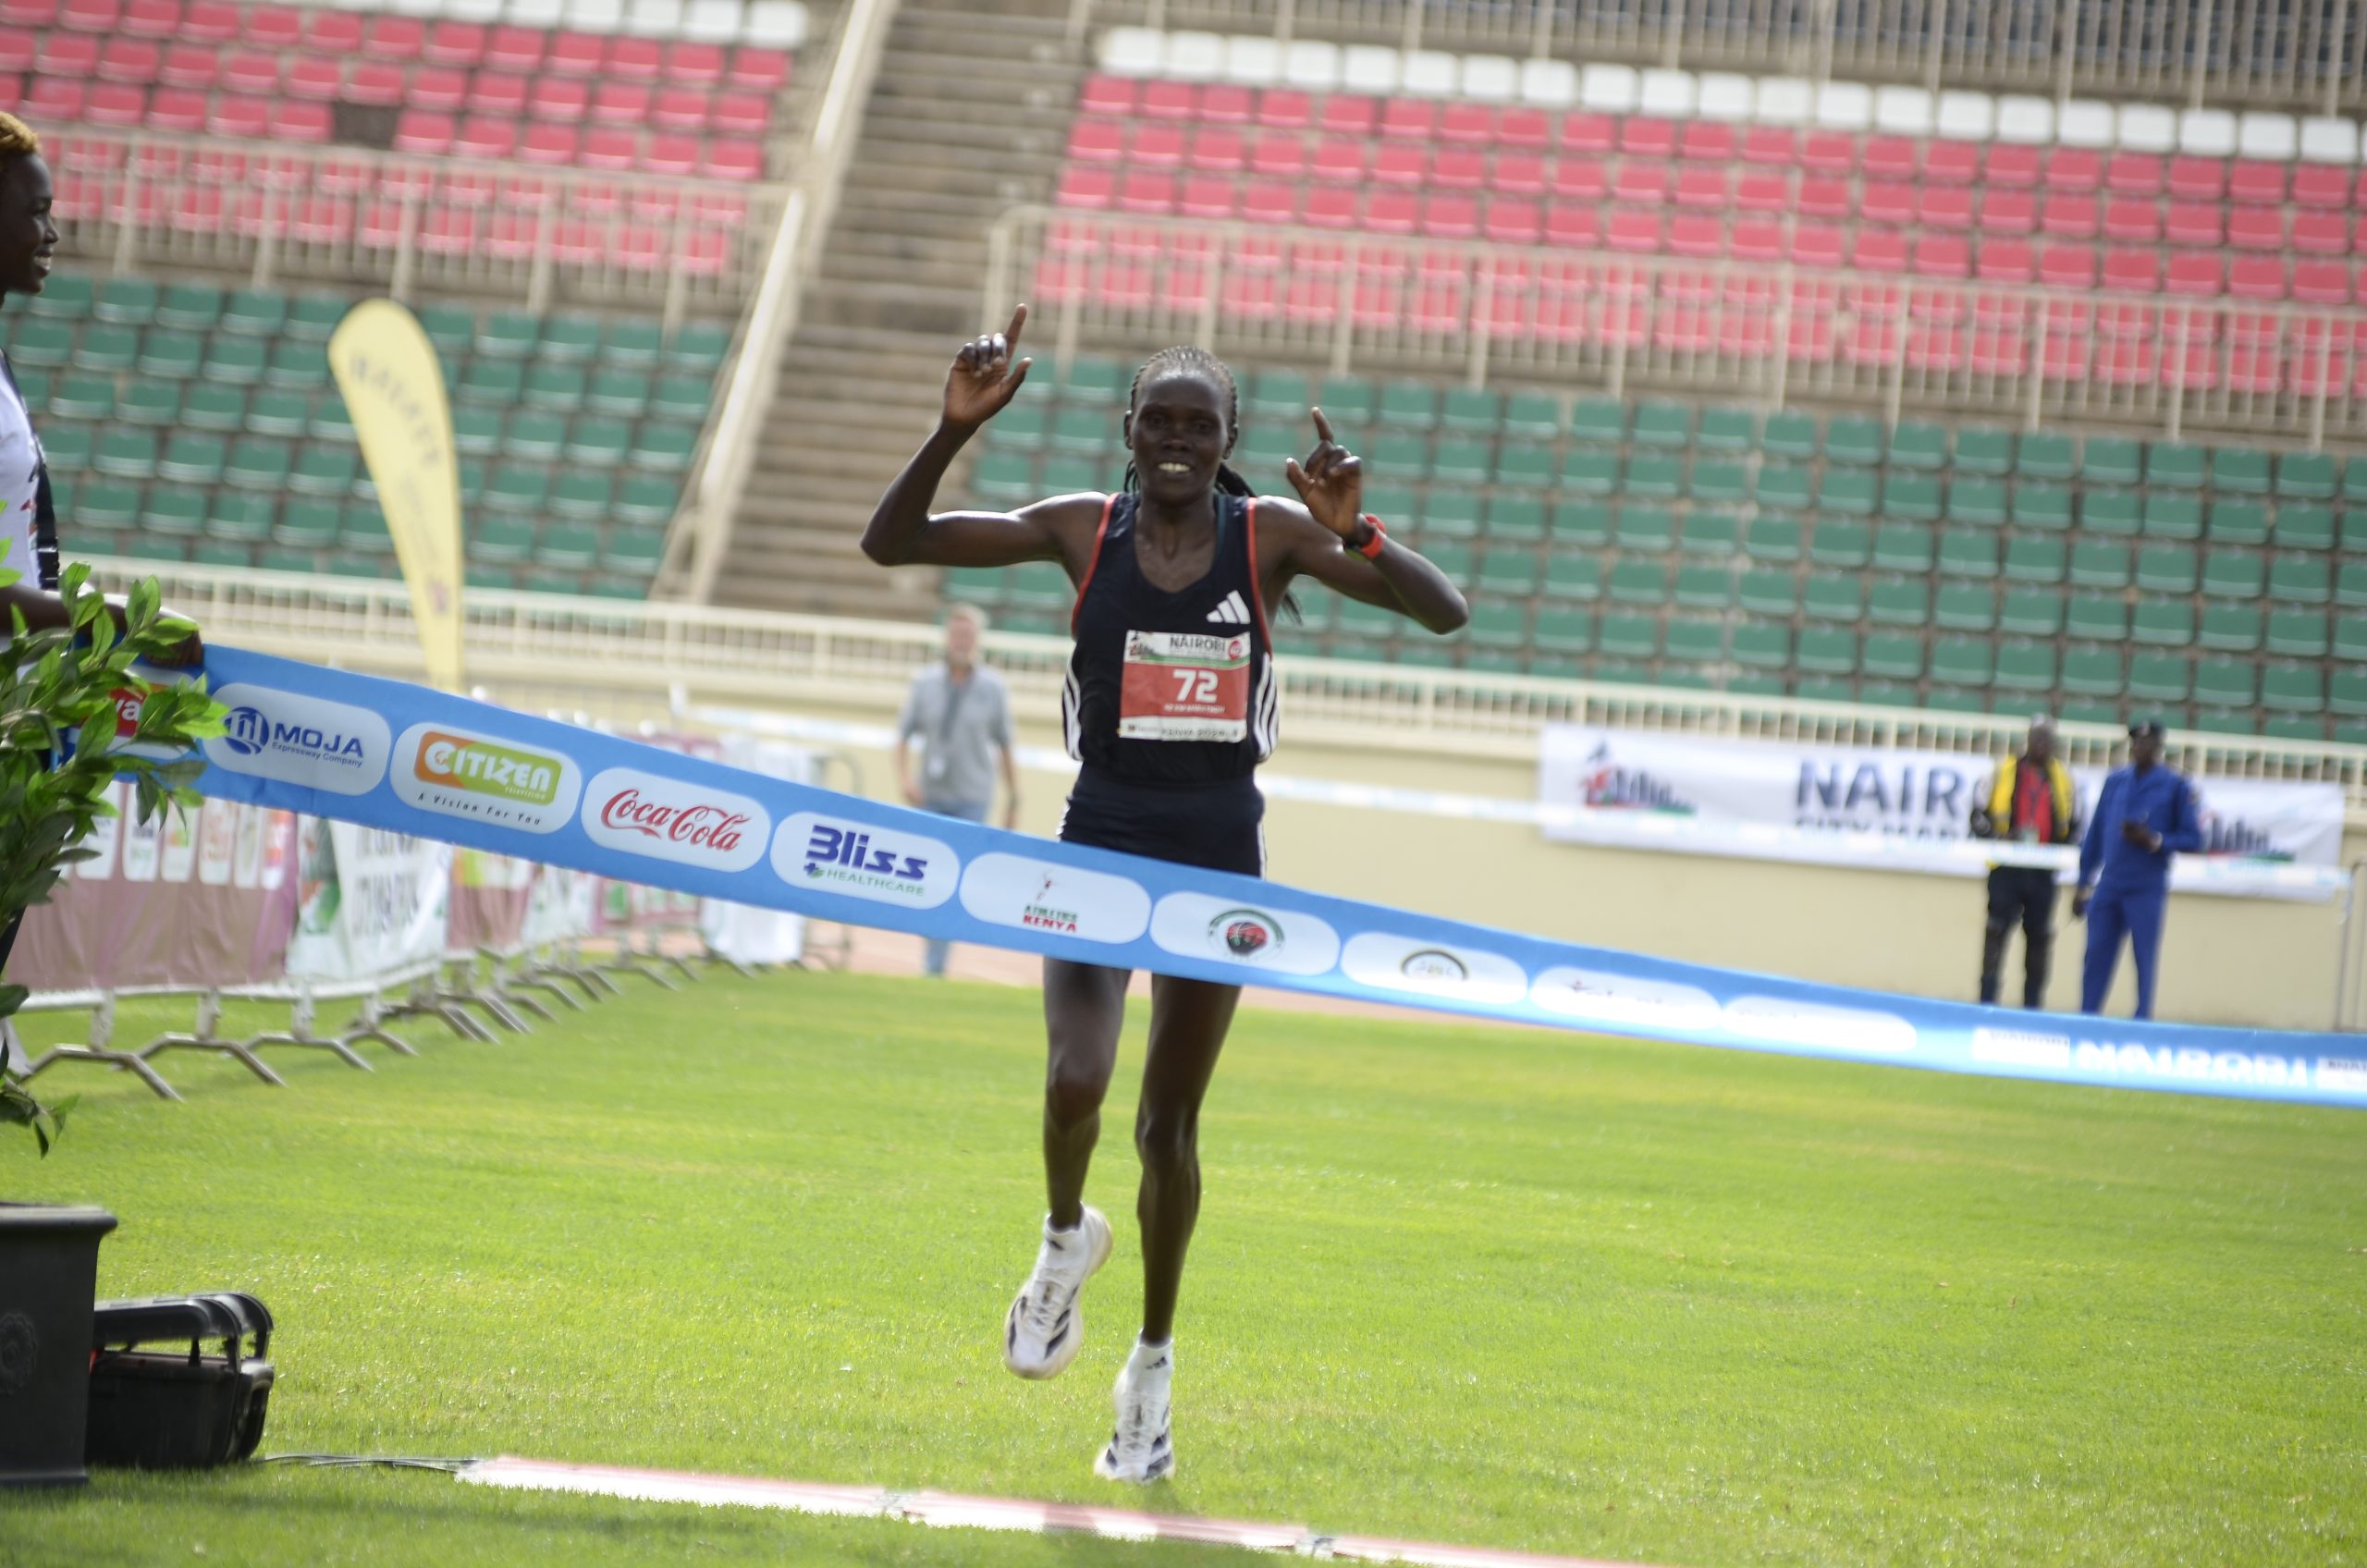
(549, 643)
(134, 198)
(2310, 56)
(1606, 320)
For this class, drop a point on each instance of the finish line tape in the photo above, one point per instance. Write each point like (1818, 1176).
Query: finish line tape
(386, 755)
(947, 1510)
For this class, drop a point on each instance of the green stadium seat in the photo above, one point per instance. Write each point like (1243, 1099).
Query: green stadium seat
(175, 355)
(315, 317)
(452, 328)
(65, 297)
(1510, 570)
(635, 553)
(1455, 561)
(1649, 529)
(641, 341)
(499, 540)
(2035, 561)
(1785, 488)
(1903, 546)
(2297, 634)
(282, 559)
(1888, 694)
(1773, 539)
(1775, 594)
(1459, 460)
(1638, 583)
(287, 414)
(97, 505)
(1620, 670)
(509, 334)
(2097, 565)
(1663, 424)
(125, 454)
(565, 546)
(1655, 477)
(2350, 637)
(685, 400)
(1473, 408)
(1839, 543)
(2237, 522)
(152, 402)
(2306, 476)
(478, 431)
(1718, 482)
(125, 302)
(492, 382)
(2031, 612)
(1919, 446)
(1756, 645)
(34, 386)
(1387, 499)
(1449, 513)
(1727, 430)
(646, 501)
(2165, 569)
(2162, 623)
(1853, 441)
(2294, 727)
(2160, 678)
(1977, 503)
(2041, 505)
(1408, 405)
(2347, 692)
(624, 394)
(1094, 380)
(2025, 666)
(331, 420)
(1851, 491)
(1628, 636)
(1912, 497)
(2082, 711)
(1712, 534)
(255, 463)
(1531, 416)
(1087, 430)
(68, 447)
(2173, 517)
(602, 442)
(324, 471)
(1598, 422)
(101, 350)
(1500, 625)
(245, 519)
(2303, 525)
(583, 497)
(2099, 617)
(1793, 434)
(2230, 629)
(2043, 454)
(2117, 513)
(2240, 470)
(1905, 601)
(2234, 574)
(1515, 518)
(1572, 576)
(2090, 671)
(218, 552)
(2300, 579)
(41, 344)
(516, 488)
(1563, 630)
(306, 526)
(1963, 661)
(1895, 656)
(1064, 476)
(2350, 583)
(1348, 401)
(1987, 452)
(249, 313)
(1590, 473)
(1524, 466)
(206, 406)
(481, 577)
(571, 339)
(964, 585)
(170, 509)
(2224, 682)
(1827, 650)
(1825, 689)
(2111, 459)
(1278, 395)
(2174, 466)
(661, 448)
(1833, 596)
(77, 396)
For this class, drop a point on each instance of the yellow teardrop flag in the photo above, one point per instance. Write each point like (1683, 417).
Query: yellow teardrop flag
(394, 390)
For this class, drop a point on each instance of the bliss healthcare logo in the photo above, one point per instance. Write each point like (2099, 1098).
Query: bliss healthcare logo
(661, 818)
(464, 772)
(301, 739)
(865, 860)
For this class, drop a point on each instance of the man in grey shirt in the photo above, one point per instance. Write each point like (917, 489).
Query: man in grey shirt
(961, 713)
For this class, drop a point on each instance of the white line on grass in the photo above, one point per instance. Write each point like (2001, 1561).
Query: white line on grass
(946, 1510)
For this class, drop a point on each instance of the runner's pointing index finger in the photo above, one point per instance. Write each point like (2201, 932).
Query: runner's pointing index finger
(1322, 425)
(1011, 333)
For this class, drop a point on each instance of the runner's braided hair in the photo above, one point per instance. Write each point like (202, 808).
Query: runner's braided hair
(1190, 359)
(17, 139)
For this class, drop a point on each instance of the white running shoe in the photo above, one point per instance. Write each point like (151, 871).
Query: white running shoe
(1140, 1448)
(1044, 1329)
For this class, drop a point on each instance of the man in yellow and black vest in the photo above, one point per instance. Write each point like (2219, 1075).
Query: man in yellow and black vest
(2032, 802)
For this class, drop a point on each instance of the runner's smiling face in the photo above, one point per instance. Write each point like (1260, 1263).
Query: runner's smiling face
(1178, 432)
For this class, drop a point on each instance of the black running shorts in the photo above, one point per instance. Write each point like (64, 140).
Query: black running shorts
(1217, 827)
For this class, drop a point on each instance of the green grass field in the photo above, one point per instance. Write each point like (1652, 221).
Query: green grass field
(1501, 1287)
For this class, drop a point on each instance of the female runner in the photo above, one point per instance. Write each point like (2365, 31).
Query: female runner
(1170, 705)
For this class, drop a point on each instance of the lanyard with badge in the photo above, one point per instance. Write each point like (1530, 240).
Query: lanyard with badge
(939, 762)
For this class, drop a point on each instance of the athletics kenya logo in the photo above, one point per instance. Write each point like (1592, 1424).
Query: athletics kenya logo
(464, 772)
(643, 813)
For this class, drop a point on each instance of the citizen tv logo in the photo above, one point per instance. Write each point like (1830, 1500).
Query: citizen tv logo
(660, 818)
(463, 773)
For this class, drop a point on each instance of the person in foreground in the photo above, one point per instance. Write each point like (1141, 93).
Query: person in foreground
(2145, 815)
(1172, 702)
(2032, 801)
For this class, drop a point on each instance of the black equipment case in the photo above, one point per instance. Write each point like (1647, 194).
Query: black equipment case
(178, 1410)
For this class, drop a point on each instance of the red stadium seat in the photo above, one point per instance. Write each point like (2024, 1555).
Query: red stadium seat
(29, 12)
(1146, 191)
(198, 209)
(561, 98)
(1342, 159)
(176, 109)
(1087, 186)
(1708, 141)
(1156, 146)
(1999, 350)
(1513, 221)
(1217, 149)
(1398, 164)
(1890, 157)
(1331, 206)
(1279, 155)
(1570, 224)
(2256, 228)
(575, 54)
(1945, 206)
(1104, 94)
(1635, 231)
(2075, 171)
(458, 44)
(2322, 283)
(694, 64)
(1270, 201)
(2010, 166)
(1169, 101)
(1409, 119)
(158, 20)
(621, 103)
(298, 120)
(1459, 168)
(1224, 104)
(498, 92)
(676, 157)
(1770, 146)
(435, 87)
(1818, 245)
(2069, 216)
(2068, 266)
(2321, 185)
(313, 78)
(2257, 182)
(1092, 138)
(2131, 270)
(1207, 196)
(2196, 273)
(1525, 130)
(1641, 181)
(609, 150)
(1585, 132)
(1886, 202)
(1942, 255)
(1517, 174)
(516, 49)
(208, 21)
(548, 144)
(332, 35)
(1284, 109)
(420, 130)
(1580, 179)
(189, 65)
(1348, 114)
(1761, 191)
(1756, 239)
(1646, 136)
(1703, 190)
(2198, 180)
(484, 138)
(1450, 217)
(2006, 261)
(90, 16)
(2321, 233)
(17, 46)
(2194, 223)
(322, 220)
(395, 39)
(641, 60)
(72, 57)
(2255, 371)
(375, 83)
(1824, 196)
(134, 61)
(115, 103)
(255, 73)
(1951, 163)
(2131, 221)
(1829, 153)
(448, 231)
(1697, 235)
(2134, 174)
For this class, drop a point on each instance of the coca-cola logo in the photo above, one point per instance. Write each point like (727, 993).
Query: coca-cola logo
(127, 712)
(708, 826)
(644, 814)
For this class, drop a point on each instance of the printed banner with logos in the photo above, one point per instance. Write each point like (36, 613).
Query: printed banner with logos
(202, 898)
(403, 759)
(1895, 810)
(371, 900)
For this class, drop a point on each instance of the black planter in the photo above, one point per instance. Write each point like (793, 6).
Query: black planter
(49, 1272)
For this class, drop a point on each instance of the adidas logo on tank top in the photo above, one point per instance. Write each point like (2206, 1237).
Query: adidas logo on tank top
(1234, 611)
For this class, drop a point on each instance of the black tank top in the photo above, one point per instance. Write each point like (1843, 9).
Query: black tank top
(1172, 689)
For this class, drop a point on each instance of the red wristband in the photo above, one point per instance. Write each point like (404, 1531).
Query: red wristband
(1370, 549)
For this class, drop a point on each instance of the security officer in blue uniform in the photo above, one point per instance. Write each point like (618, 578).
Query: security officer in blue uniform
(2146, 814)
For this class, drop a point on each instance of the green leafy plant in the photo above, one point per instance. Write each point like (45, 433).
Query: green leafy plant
(74, 718)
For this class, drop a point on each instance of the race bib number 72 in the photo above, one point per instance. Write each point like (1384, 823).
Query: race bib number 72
(1183, 686)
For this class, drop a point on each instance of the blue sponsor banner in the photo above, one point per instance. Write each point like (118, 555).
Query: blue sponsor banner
(388, 754)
